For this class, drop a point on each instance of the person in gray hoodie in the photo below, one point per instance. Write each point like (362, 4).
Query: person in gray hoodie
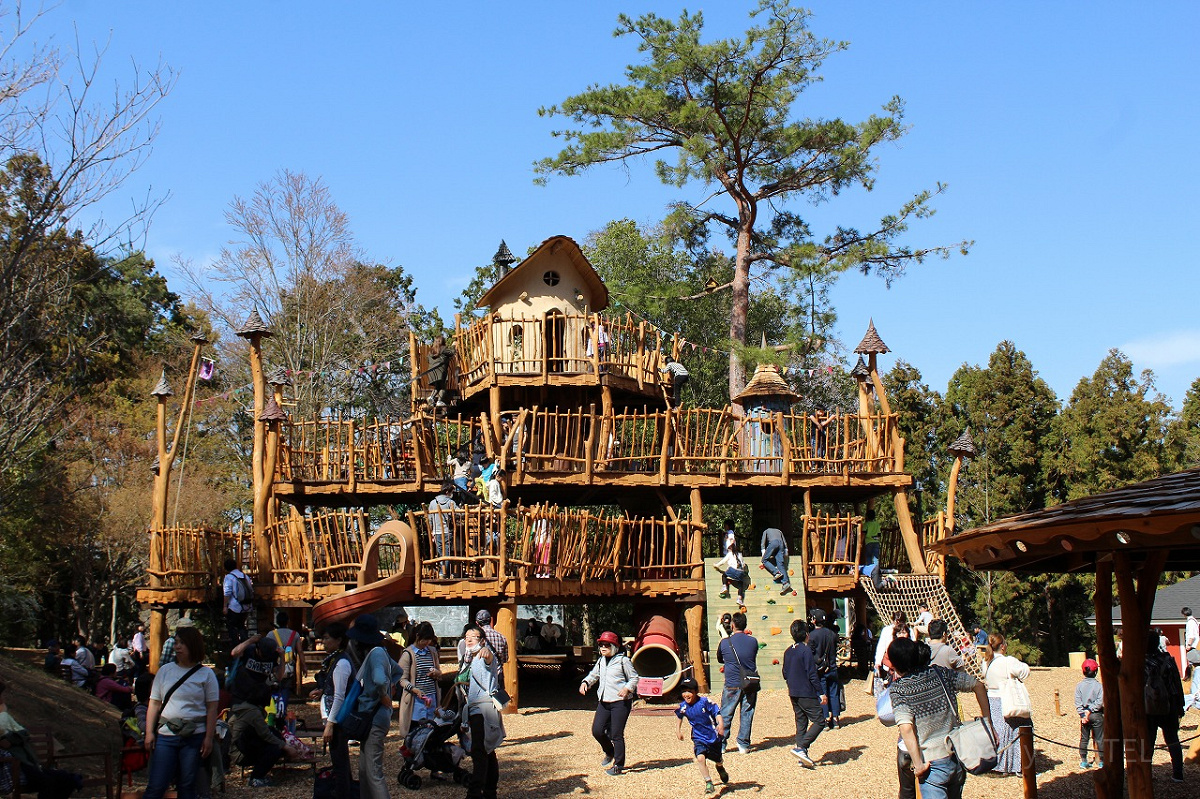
(440, 521)
(1089, 704)
(616, 682)
(775, 557)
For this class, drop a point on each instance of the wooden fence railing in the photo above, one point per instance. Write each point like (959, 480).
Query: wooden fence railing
(485, 544)
(933, 531)
(543, 346)
(584, 441)
(832, 545)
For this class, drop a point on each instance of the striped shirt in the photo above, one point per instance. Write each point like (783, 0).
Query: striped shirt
(425, 662)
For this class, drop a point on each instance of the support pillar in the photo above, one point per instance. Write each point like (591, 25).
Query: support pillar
(1110, 780)
(157, 630)
(693, 615)
(506, 625)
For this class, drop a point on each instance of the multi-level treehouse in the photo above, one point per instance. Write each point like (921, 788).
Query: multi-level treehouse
(571, 401)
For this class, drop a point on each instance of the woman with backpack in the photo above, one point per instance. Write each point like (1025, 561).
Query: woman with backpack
(377, 674)
(1164, 703)
(616, 682)
(996, 671)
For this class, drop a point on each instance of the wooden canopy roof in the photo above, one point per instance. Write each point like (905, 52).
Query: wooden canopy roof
(553, 245)
(1158, 514)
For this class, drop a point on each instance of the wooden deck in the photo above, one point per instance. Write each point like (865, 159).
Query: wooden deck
(523, 351)
(332, 461)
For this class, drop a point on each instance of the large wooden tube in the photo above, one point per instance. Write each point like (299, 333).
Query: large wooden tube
(655, 651)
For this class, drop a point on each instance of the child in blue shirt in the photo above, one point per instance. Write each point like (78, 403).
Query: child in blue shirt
(708, 729)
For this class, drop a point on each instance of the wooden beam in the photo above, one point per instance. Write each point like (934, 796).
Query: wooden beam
(1110, 780)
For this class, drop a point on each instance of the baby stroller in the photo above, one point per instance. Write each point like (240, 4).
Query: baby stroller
(427, 745)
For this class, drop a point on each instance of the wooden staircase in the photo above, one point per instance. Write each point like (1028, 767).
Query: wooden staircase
(769, 617)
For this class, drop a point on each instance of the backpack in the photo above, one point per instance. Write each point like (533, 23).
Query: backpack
(289, 652)
(1158, 692)
(242, 591)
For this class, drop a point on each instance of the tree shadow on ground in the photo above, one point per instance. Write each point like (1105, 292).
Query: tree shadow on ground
(650, 765)
(546, 736)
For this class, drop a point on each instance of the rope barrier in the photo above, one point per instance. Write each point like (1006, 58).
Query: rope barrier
(1182, 741)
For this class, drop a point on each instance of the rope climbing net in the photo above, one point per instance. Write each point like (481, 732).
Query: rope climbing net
(907, 592)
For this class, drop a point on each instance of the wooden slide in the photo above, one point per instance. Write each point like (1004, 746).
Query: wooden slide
(373, 593)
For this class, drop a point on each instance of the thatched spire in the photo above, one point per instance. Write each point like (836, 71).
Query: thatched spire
(272, 412)
(254, 326)
(767, 382)
(860, 370)
(871, 342)
(964, 445)
(163, 389)
(279, 377)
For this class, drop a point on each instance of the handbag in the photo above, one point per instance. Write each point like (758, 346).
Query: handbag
(972, 742)
(1014, 699)
(751, 681)
(884, 710)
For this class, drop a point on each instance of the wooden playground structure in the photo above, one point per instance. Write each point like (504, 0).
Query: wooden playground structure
(572, 404)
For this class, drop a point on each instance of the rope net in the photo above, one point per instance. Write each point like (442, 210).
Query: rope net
(907, 592)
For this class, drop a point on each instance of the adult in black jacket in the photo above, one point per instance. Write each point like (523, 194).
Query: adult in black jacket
(1164, 703)
(805, 690)
(823, 640)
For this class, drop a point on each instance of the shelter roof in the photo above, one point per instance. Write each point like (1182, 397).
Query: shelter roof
(1163, 513)
(1168, 601)
(554, 245)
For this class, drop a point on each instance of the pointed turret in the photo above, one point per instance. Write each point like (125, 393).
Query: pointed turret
(163, 389)
(254, 326)
(871, 342)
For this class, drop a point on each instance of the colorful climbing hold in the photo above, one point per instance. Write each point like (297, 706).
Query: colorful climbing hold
(770, 601)
(775, 662)
(776, 630)
(792, 572)
(761, 646)
(764, 618)
(791, 609)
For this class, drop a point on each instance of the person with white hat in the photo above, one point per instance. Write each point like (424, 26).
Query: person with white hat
(616, 682)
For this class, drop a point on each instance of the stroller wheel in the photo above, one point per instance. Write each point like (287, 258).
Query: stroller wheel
(413, 782)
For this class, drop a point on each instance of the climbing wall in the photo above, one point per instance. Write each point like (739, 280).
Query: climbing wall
(906, 591)
(769, 616)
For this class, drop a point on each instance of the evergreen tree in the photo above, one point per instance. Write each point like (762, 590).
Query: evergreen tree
(728, 111)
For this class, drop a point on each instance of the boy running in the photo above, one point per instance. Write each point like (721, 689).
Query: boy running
(708, 728)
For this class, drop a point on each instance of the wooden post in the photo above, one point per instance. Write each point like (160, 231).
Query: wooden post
(912, 543)
(693, 615)
(589, 455)
(664, 473)
(1136, 603)
(641, 380)
(1028, 772)
(785, 472)
(506, 625)
(695, 550)
(1110, 779)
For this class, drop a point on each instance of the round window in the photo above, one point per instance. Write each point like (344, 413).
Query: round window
(550, 278)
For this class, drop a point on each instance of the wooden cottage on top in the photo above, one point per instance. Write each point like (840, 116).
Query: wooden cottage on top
(546, 328)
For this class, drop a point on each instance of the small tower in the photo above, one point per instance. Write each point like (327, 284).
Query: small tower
(766, 395)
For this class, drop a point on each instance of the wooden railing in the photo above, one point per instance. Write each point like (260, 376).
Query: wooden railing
(832, 546)
(543, 346)
(191, 557)
(483, 544)
(324, 548)
(933, 531)
(694, 441)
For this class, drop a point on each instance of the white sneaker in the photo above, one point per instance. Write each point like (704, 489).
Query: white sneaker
(803, 757)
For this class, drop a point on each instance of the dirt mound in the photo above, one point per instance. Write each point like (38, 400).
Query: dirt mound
(80, 721)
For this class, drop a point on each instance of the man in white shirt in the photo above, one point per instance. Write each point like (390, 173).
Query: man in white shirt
(83, 654)
(1191, 658)
(924, 617)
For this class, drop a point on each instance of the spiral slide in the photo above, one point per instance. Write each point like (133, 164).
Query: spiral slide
(373, 593)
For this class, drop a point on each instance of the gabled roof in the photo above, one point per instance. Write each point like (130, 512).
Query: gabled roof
(1168, 601)
(553, 246)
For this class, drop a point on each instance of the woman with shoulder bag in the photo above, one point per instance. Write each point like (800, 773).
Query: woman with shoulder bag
(419, 674)
(181, 719)
(998, 671)
(616, 682)
(479, 676)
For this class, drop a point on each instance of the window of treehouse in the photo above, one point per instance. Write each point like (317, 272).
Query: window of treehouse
(516, 346)
(551, 278)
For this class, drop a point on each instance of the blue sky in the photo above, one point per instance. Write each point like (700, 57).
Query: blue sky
(1064, 130)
